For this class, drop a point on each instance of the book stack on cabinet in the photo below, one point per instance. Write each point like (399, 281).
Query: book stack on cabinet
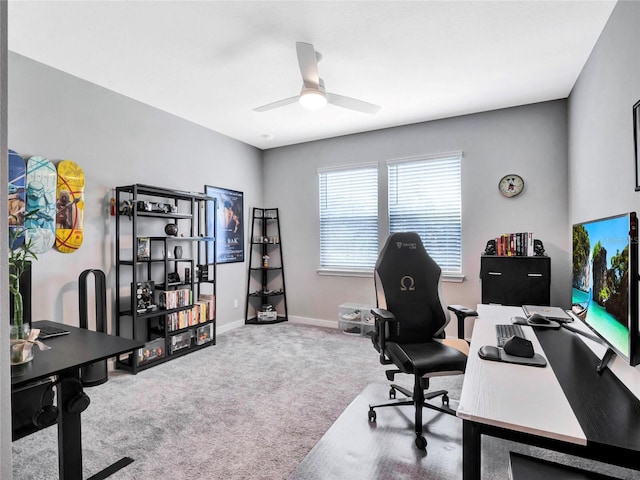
(165, 273)
(515, 244)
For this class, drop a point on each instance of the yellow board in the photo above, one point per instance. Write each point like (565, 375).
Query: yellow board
(69, 207)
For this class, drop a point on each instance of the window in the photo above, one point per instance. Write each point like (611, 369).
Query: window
(425, 197)
(349, 217)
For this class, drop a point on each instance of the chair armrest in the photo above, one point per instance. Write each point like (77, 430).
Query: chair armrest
(382, 317)
(462, 312)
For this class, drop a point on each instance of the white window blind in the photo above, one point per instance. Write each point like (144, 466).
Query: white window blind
(425, 197)
(349, 217)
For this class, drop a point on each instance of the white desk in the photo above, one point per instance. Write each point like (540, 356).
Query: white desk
(542, 406)
(494, 393)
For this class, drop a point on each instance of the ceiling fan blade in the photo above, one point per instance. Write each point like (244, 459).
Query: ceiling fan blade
(279, 103)
(308, 62)
(352, 103)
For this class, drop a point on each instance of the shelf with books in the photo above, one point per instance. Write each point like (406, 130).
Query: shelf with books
(165, 285)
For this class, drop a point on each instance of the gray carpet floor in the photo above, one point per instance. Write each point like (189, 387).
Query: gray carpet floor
(254, 406)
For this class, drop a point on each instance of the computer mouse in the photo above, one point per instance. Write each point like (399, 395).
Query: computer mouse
(538, 319)
(519, 347)
(519, 320)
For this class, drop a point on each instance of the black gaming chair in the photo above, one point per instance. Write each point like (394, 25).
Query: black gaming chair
(409, 325)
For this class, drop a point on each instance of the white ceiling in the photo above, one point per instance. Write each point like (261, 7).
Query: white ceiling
(212, 62)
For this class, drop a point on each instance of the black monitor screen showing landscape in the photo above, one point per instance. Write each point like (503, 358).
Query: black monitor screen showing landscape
(605, 281)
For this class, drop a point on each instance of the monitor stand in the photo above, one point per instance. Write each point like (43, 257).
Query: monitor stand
(608, 355)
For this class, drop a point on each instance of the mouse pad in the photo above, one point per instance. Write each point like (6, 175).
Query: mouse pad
(524, 321)
(551, 324)
(499, 355)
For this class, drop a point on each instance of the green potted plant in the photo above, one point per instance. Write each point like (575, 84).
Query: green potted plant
(19, 258)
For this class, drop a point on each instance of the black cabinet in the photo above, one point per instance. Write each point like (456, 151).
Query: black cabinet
(165, 274)
(266, 296)
(516, 280)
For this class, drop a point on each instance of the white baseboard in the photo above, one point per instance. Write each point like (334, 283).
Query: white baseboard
(316, 322)
(227, 327)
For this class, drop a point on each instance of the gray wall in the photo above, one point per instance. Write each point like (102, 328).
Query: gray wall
(5, 369)
(529, 140)
(118, 141)
(601, 155)
(601, 152)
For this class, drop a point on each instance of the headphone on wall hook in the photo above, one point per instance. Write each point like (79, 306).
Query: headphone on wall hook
(49, 413)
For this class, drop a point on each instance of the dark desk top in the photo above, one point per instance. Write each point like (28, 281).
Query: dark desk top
(607, 411)
(81, 347)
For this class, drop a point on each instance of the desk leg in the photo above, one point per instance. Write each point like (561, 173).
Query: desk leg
(471, 450)
(69, 430)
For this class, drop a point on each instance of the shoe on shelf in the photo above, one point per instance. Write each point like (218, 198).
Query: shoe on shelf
(352, 331)
(352, 316)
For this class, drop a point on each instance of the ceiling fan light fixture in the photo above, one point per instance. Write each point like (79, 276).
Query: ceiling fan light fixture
(312, 99)
(313, 95)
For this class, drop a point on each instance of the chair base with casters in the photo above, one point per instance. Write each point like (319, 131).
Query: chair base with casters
(418, 360)
(415, 398)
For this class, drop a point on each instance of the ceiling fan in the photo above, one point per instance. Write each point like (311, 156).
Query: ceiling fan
(313, 94)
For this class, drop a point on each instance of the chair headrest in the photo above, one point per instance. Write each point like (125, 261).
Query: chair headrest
(404, 258)
(404, 249)
(407, 284)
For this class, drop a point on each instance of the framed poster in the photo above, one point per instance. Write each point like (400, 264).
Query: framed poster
(229, 225)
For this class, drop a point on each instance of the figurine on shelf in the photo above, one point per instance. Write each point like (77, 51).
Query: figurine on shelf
(265, 261)
(490, 249)
(538, 248)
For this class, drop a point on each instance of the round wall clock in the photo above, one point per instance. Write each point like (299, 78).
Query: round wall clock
(511, 185)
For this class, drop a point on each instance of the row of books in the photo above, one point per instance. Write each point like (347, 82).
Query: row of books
(169, 299)
(202, 311)
(515, 244)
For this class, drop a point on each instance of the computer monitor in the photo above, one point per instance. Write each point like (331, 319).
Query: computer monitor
(605, 282)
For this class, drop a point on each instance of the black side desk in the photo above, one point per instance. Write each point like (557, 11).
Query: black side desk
(68, 354)
(565, 406)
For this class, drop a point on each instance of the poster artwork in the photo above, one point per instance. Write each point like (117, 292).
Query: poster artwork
(229, 225)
